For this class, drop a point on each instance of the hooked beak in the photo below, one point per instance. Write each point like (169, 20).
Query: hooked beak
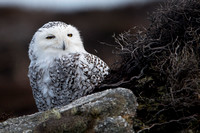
(63, 46)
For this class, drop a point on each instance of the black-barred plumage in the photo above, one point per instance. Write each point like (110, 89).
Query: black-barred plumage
(59, 76)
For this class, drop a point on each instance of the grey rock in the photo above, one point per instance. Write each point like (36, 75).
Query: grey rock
(108, 111)
(113, 125)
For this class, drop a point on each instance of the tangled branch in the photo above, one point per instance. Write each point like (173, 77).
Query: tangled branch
(161, 65)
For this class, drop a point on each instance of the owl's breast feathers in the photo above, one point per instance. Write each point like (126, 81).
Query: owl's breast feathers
(65, 79)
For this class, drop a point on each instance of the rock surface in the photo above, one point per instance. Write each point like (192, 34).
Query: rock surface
(110, 111)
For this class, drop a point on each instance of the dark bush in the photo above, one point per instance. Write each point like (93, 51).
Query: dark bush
(161, 65)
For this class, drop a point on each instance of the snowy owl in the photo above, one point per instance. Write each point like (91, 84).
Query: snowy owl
(61, 70)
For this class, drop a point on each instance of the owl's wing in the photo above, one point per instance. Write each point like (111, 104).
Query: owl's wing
(94, 69)
(35, 77)
(98, 67)
(77, 74)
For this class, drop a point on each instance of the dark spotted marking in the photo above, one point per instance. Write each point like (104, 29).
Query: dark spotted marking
(70, 77)
(54, 24)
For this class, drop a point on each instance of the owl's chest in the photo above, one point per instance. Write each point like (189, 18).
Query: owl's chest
(65, 70)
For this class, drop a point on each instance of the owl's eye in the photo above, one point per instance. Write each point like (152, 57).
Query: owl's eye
(50, 37)
(69, 35)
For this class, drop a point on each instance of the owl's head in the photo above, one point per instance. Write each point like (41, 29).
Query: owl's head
(56, 38)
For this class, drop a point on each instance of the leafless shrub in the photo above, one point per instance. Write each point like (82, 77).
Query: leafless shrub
(161, 65)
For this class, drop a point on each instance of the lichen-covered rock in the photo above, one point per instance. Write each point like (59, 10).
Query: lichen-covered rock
(113, 125)
(107, 111)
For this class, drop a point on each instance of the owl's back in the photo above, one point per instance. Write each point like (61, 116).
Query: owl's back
(64, 79)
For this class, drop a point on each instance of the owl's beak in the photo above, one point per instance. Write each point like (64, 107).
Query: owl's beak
(63, 46)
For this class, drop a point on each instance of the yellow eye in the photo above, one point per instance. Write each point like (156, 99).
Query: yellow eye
(69, 35)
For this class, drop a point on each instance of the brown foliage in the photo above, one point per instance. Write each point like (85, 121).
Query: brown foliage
(161, 65)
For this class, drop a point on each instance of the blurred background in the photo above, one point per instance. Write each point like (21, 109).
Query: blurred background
(97, 20)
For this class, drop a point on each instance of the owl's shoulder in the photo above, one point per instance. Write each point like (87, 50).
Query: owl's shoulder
(93, 59)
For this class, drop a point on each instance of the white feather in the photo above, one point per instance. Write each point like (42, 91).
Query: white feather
(52, 50)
